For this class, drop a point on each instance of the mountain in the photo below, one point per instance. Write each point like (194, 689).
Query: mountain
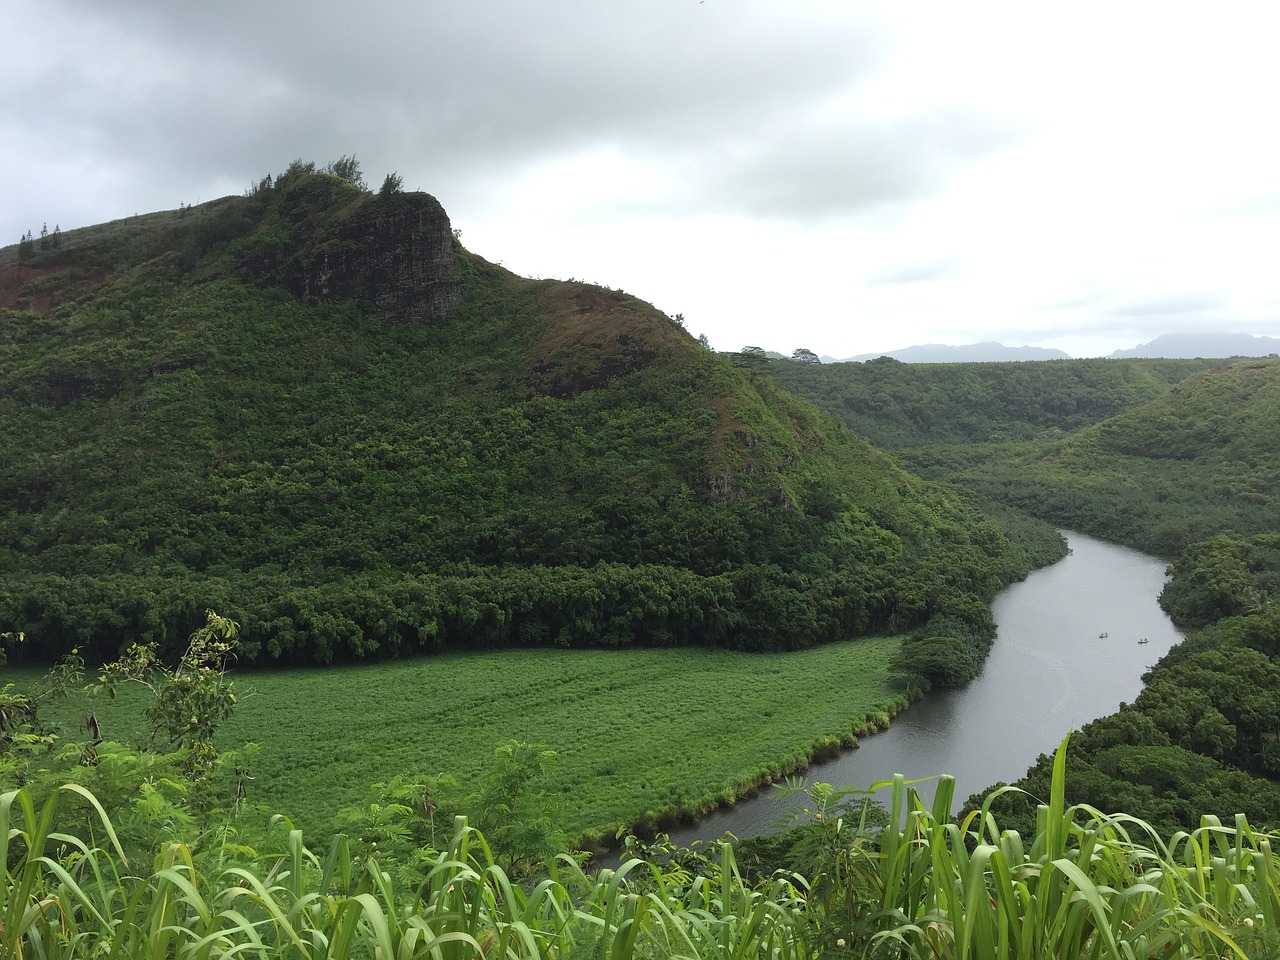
(1204, 345)
(311, 409)
(967, 353)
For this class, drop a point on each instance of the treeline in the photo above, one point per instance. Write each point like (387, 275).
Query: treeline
(1200, 460)
(292, 619)
(1226, 576)
(1187, 449)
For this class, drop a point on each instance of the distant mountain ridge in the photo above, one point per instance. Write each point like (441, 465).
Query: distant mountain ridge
(1169, 346)
(984, 352)
(1192, 345)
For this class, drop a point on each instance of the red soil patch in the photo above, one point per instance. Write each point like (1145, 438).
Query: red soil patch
(14, 278)
(71, 284)
(596, 318)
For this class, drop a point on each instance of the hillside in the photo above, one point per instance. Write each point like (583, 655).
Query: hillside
(311, 409)
(1200, 460)
(1156, 454)
(901, 406)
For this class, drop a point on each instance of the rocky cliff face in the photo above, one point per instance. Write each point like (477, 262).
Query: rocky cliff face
(316, 236)
(395, 252)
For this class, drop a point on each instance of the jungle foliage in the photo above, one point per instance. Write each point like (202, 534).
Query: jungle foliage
(553, 463)
(1083, 883)
(899, 406)
(1201, 460)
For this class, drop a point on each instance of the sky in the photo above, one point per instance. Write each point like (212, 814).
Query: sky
(831, 175)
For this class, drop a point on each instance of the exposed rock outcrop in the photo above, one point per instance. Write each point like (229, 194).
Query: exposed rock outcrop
(395, 252)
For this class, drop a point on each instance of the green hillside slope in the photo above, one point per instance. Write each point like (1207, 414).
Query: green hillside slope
(1156, 454)
(1202, 459)
(313, 410)
(901, 406)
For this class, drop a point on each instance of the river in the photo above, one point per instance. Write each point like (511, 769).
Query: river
(1051, 670)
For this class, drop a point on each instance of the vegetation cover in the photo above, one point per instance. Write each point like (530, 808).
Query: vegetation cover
(1188, 468)
(1154, 454)
(644, 738)
(903, 406)
(1083, 884)
(109, 850)
(312, 409)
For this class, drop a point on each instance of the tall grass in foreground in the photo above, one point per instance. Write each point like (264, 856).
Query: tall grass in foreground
(1086, 885)
(63, 897)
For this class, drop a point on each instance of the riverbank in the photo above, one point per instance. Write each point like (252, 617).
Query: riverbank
(821, 751)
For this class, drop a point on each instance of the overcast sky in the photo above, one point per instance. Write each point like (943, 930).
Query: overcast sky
(844, 177)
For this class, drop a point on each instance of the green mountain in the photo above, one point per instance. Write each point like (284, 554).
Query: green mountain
(311, 409)
(1156, 454)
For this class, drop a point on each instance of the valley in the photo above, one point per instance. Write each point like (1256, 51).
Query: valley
(527, 552)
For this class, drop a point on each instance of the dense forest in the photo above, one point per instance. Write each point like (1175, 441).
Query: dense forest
(1155, 454)
(311, 409)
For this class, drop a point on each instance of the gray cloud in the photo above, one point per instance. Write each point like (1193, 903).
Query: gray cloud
(460, 96)
(806, 167)
(458, 92)
(1127, 322)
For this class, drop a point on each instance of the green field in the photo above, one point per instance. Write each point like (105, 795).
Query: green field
(636, 732)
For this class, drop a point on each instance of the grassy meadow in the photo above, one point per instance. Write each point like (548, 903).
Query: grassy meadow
(637, 733)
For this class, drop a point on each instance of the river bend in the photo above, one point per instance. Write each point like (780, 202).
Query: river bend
(1068, 650)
